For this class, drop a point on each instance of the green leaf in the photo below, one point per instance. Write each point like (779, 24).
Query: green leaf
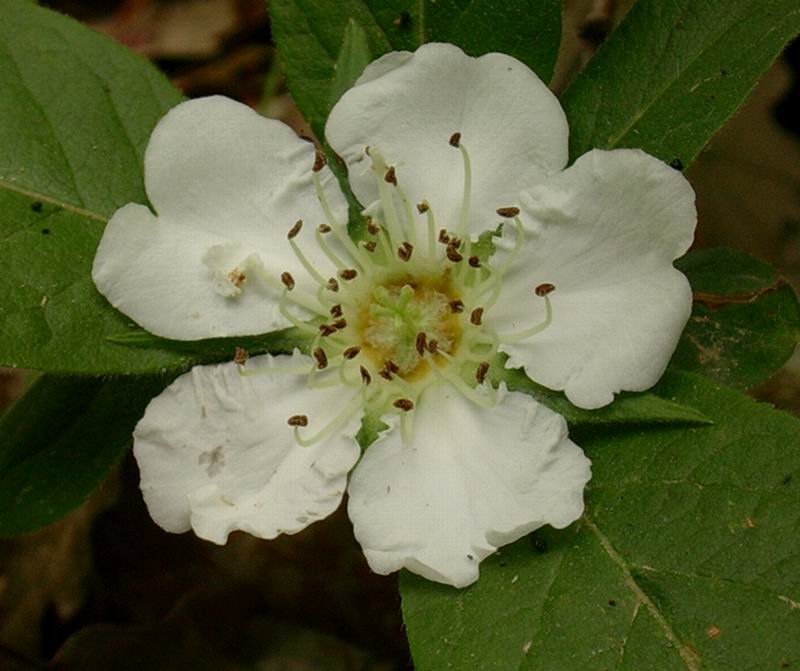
(77, 112)
(687, 558)
(354, 56)
(60, 440)
(745, 321)
(646, 408)
(310, 35)
(673, 72)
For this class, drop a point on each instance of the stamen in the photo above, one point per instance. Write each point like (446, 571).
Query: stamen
(391, 176)
(287, 280)
(404, 404)
(456, 306)
(508, 212)
(480, 373)
(443, 237)
(485, 401)
(348, 273)
(297, 420)
(453, 253)
(351, 352)
(340, 324)
(474, 262)
(237, 278)
(352, 407)
(319, 161)
(333, 224)
(326, 330)
(284, 310)
(476, 317)
(544, 289)
(370, 245)
(433, 346)
(324, 228)
(366, 378)
(336, 310)
(463, 223)
(294, 230)
(431, 221)
(332, 284)
(512, 255)
(372, 227)
(321, 357)
(423, 207)
(527, 333)
(404, 251)
(455, 140)
(421, 342)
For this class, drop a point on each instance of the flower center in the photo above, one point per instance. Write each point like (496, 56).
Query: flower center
(389, 326)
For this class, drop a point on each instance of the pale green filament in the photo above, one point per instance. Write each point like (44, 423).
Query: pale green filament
(356, 403)
(528, 333)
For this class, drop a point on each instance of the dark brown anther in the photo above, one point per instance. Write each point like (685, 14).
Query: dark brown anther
(423, 207)
(366, 378)
(348, 274)
(297, 420)
(333, 285)
(336, 311)
(456, 306)
(326, 330)
(480, 373)
(351, 352)
(455, 140)
(508, 212)
(433, 345)
(443, 237)
(288, 280)
(372, 227)
(370, 245)
(455, 242)
(391, 366)
(544, 289)
(340, 324)
(324, 228)
(453, 254)
(240, 356)
(421, 343)
(474, 261)
(321, 357)
(294, 230)
(404, 251)
(404, 404)
(319, 161)
(476, 317)
(386, 375)
(391, 176)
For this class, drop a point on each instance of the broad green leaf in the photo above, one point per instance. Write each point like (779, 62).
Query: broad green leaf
(311, 33)
(77, 111)
(745, 322)
(673, 72)
(354, 56)
(687, 558)
(59, 441)
(646, 408)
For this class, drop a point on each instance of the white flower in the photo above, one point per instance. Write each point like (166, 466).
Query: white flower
(581, 292)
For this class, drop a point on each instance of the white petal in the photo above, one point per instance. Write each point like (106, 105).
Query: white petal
(220, 177)
(472, 479)
(605, 232)
(408, 106)
(216, 453)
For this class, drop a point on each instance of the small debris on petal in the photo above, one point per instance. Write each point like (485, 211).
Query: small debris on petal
(294, 230)
(423, 207)
(476, 317)
(508, 212)
(544, 289)
(404, 404)
(240, 356)
(288, 280)
(297, 420)
(455, 140)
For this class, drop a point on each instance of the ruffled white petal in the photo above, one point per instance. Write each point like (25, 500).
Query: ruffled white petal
(226, 185)
(470, 480)
(216, 453)
(605, 232)
(408, 106)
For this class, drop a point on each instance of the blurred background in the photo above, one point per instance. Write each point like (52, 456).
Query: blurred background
(106, 589)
